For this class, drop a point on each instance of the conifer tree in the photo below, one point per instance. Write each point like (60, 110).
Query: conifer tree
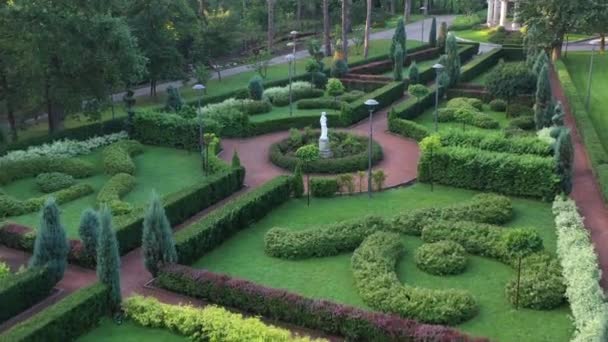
(88, 230)
(108, 258)
(453, 61)
(558, 114)
(398, 65)
(399, 38)
(433, 33)
(157, 241)
(539, 62)
(298, 181)
(443, 35)
(543, 88)
(414, 75)
(236, 161)
(51, 246)
(564, 157)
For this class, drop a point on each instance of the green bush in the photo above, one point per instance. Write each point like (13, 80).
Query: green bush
(475, 118)
(465, 103)
(541, 285)
(357, 110)
(113, 190)
(21, 290)
(296, 94)
(441, 258)
(255, 107)
(53, 181)
(323, 187)
(498, 105)
(408, 129)
(509, 80)
(515, 110)
(320, 103)
(256, 88)
(10, 206)
(351, 96)
(496, 142)
(511, 174)
(373, 265)
(525, 123)
(325, 241)
(66, 320)
(480, 64)
(14, 170)
(201, 236)
(117, 157)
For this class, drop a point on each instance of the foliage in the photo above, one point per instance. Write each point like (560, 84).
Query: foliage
(212, 322)
(564, 160)
(522, 175)
(543, 88)
(236, 161)
(21, 290)
(308, 153)
(408, 129)
(413, 74)
(339, 68)
(298, 182)
(418, 91)
(259, 62)
(88, 231)
(248, 106)
(108, 258)
(19, 169)
(443, 35)
(525, 123)
(157, 239)
(433, 33)
(202, 74)
(399, 39)
(256, 88)
(496, 142)
(353, 323)
(10, 206)
(465, 22)
(498, 105)
(398, 64)
(53, 181)
(346, 183)
(65, 320)
(441, 258)
(323, 187)
(206, 233)
(113, 190)
(581, 272)
(373, 266)
(509, 80)
(117, 157)
(379, 177)
(467, 116)
(515, 110)
(520, 242)
(174, 100)
(51, 245)
(4, 270)
(334, 87)
(452, 68)
(558, 114)
(385, 95)
(540, 61)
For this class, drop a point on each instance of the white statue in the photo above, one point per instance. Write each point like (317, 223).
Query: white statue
(323, 126)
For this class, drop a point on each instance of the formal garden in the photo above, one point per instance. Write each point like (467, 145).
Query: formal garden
(360, 189)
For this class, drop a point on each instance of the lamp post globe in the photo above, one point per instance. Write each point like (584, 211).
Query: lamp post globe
(371, 105)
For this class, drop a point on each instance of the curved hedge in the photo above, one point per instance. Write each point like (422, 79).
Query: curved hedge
(373, 265)
(496, 142)
(280, 157)
(116, 187)
(441, 258)
(117, 157)
(10, 206)
(21, 290)
(14, 170)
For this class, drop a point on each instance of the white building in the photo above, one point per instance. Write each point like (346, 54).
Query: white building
(497, 13)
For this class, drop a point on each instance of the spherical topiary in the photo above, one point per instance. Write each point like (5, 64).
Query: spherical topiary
(498, 105)
(53, 181)
(441, 258)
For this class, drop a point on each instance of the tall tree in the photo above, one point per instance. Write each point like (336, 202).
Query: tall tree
(595, 19)
(108, 258)
(543, 88)
(453, 66)
(399, 38)
(344, 37)
(326, 28)
(564, 160)
(51, 244)
(553, 18)
(157, 240)
(88, 231)
(433, 33)
(270, 9)
(368, 27)
(407, 9)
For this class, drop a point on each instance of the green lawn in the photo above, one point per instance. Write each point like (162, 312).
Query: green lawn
(475, 35)
(427, 119)
(578, 67)
(331, 277)
(108, 331)
(163, 169)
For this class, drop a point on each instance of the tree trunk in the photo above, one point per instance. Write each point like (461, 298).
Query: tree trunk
(299, 14)
(326, 25)
(349, 17)
(10, 111)
(426, 7)
(49, 107)
(392, 6)
(368, 24)
(344, 31)
(602, 42)
(270, 24)
(556, 49)
(407, 9)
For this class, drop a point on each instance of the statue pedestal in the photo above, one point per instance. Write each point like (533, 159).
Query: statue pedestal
(324, 149)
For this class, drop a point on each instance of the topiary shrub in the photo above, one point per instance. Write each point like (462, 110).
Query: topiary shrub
(465, 103)
(523, 122)
(509, 80)
(53, 181)
(441, 258)
(498, 105)
(515, 110)
(323, 187)
(117, 157)
(256, 88)
(113, 190)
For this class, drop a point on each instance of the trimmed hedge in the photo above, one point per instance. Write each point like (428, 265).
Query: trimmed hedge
(14, 170)
(164, 129)
(20, 291)
(412, 108)
(496, 142)
(10, 206)
(283, 124)
(66, 320)
(194, 241)
(593, 145)
(480, 64)
(53, 181)
(352, 323)
(470, 168)
(441, 258)
(323, 187)
(373, 265)
(116, 187)
(357, 110)
(117, 157)
(320, 103)
(408, 129)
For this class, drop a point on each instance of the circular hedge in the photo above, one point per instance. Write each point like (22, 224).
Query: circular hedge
(349, 152)
(441, 258)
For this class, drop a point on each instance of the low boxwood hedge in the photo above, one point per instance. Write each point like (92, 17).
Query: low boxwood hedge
(53, 181)
(323, 187)
(19, 169)
(408, 129)
(65, 320)
(117, 157)
(357, 110)
(21, 290)
(441, 258)
(113, 190)
(496, 142)
(10, 206)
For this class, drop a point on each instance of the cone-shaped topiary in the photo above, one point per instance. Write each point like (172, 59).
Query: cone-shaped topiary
(51, 246)
(399, 38)
(564, 158)
(453, 62)
(298, 182)
(256, 88)
(433, 33)
(108, 258)
(88, 230)
(543, 87)
(157, 240)
(443, 35)
(236, 161)
(398, 65)
(414, 74)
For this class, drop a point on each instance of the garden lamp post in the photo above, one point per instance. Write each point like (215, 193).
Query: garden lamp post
(438, 70)
(290, 59)
(294, 34)
(588, 97)
(200, 89)
(371, 105)
(422, 9)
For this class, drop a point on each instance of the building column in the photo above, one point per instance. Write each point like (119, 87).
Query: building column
(490, 12)
(515, 23)
(496, 12)
(503, 12)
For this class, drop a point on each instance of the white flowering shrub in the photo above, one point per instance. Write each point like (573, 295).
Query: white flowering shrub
(545, 135)
(274, 92)
(581, 274)
(224, 106)
(64, 148)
